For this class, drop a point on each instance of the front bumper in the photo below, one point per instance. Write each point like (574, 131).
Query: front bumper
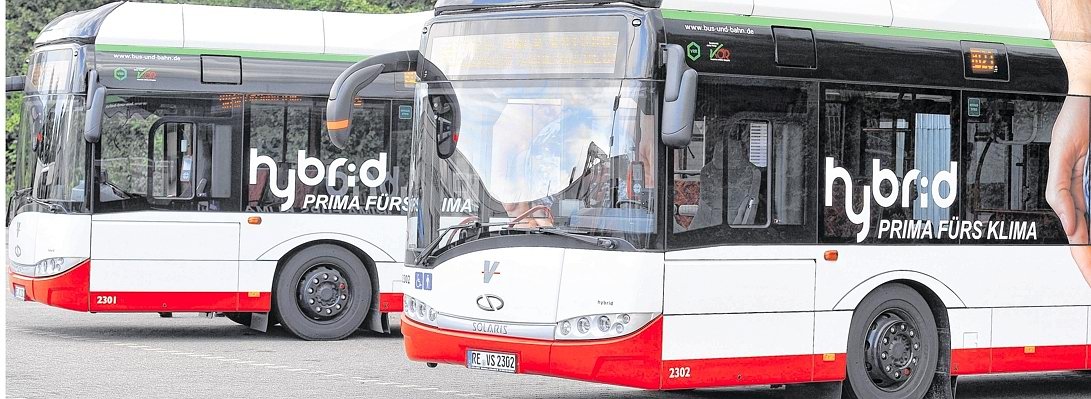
(68, 290)
(633, 360)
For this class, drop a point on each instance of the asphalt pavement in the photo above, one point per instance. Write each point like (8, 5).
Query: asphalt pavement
(58, 353)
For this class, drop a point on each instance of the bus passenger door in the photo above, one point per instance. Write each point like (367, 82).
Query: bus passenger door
(737, 292)
(159, 244)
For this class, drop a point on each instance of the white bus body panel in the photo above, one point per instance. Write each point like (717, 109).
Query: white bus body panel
(219, 251)
(163, 252)
(255, 29)
(545, 285)
(34, 236)
(1021, 18)
(604, 282)
(527, 279)
(737, 335)
(738, 286)
(866, 12)
(1052, 326)
(997, 296)
(159, 25)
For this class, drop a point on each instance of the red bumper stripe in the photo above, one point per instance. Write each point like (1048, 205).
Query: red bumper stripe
(179, 302)
(1020, 359)
(67, 290)
(631, 361)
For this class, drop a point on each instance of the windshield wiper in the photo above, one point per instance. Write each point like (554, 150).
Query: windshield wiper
(52, 207)
(432, 246)
(602, 242)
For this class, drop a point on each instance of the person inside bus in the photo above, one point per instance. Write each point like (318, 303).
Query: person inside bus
(1066, 190)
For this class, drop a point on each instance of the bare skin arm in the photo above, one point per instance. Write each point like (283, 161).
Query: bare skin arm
(1070, 27)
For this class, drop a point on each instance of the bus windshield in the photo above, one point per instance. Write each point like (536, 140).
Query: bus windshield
(50, 165)
(575, 155)
(51, 152)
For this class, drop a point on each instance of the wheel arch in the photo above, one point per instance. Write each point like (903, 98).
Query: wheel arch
(921, 282)
(375, 320)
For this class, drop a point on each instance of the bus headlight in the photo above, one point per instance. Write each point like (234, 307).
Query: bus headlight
(607, 325)
(46, 267)
(418, 311)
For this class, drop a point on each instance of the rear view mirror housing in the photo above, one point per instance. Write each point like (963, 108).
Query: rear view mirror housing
(679, 98)
(96, 101)
(446, 118)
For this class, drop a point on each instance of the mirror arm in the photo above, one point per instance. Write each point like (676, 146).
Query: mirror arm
(352, 81)
(15, 83)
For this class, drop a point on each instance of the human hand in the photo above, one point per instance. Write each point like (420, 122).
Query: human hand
(1067, 164)
(1067, 167)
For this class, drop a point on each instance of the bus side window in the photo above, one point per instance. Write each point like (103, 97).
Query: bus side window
(1007, 145)
(906, 132)
(748, 153)
(744, 176)
(172, 162)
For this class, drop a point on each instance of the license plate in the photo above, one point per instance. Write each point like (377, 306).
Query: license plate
(20, 292)
(491, 361)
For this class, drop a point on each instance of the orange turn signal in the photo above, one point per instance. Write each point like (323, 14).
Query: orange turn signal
(254, 220)
(337, 125)
(830, 256)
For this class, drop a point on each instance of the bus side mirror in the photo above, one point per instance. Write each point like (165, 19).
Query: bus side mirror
(679, 99)
(352, 81)
(15, 83)
(446, 117)
(92, 124)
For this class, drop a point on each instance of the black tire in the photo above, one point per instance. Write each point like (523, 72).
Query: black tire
(241, 318)
(895, 318)
(301, 293)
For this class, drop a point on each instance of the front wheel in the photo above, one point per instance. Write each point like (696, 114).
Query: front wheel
(322, 293)
(893, 346)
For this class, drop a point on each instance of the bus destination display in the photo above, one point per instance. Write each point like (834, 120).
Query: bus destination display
(986, 61)
(983, 61)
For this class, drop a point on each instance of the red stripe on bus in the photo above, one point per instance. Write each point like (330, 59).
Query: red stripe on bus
(390, 302)
(127, 301)
(759, 370)
(1020, 359)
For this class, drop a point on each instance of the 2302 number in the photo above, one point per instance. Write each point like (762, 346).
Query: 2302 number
(678, 372)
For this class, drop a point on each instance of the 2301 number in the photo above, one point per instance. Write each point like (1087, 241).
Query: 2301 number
(678, 372)
(106, 300)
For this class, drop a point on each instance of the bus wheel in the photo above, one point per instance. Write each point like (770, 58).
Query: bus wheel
(239, 317)
(322, 293)
(893, 346)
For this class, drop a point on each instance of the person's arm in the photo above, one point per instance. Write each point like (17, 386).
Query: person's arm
(1070, 28)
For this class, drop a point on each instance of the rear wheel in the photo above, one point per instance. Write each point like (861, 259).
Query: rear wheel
(322, 293)
(893, 346)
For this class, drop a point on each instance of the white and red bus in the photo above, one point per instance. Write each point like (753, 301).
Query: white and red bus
(861, 196)
(215, 187)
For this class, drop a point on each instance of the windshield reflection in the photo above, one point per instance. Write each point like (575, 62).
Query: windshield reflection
(576, 155)
(50, 166)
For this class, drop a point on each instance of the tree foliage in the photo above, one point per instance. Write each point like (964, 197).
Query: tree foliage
(26, 18)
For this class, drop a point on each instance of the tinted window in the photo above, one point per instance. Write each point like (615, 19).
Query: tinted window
(284, 127)
(745, 176)
(169, 153)
(903, 137)
(1006, 148)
